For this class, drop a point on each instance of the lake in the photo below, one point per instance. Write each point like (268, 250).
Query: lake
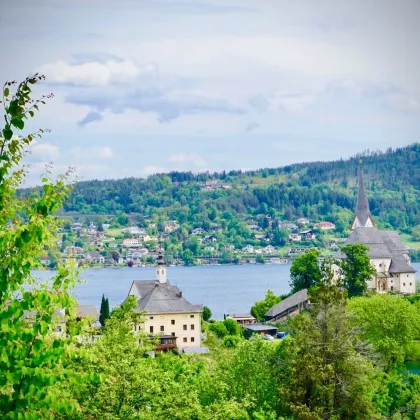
(223, 288)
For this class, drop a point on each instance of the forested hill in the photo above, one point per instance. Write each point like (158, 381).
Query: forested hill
(317, 190)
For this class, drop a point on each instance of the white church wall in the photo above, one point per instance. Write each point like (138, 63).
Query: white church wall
(408, 282)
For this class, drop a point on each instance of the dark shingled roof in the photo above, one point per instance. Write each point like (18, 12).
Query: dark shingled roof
(158, 298)
(259, 327)
(382, 244)
(362, 208)
(286, 304)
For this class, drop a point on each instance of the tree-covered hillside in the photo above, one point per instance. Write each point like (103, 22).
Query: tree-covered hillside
(317, 190)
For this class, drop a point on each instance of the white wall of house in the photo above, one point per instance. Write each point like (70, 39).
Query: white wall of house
(186, 327)
(407, 282)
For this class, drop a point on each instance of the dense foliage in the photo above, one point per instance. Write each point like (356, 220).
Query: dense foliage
(318, 190)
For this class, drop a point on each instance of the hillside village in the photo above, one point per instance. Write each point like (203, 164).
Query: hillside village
(96, 241)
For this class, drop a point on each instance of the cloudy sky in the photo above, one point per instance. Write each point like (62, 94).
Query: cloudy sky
(144, 86)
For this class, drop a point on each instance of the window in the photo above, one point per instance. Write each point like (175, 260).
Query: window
(150, 317)
(173, 334)
(151, 330)
(191, 316)
(192, 326)
(172, 321)
(410, 283)
(403, 284)
(392, 288)
(185, 328)
(192, 339)
(185, 339)
(162, 328)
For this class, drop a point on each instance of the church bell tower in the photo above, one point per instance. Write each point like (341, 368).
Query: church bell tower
(160, 267)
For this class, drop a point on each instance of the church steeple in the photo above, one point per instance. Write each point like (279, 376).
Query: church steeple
(363, 218)
(160, 267)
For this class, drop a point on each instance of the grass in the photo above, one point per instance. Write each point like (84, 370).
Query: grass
(407, 239)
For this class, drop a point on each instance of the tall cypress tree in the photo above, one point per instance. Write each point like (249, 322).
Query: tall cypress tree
(102, 313)
(106, 312)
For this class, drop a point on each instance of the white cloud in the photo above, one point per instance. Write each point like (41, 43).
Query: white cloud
(189, 159)
(290, 102)
(93, 73)
(44, 151)
(88, 153)
(152, 169)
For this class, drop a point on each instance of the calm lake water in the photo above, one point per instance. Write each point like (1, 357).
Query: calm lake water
(224, 289)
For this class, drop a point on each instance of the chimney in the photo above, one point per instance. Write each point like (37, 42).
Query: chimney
(180, 294)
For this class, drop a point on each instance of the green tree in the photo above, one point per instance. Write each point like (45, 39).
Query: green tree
(206, 313)
(356, 269)
(35, 365)
(104, 311)
(260, 308)
(233, 328)
(122, 220)
(305, 271)
(389, 322)
(259, 259)
(326, 376)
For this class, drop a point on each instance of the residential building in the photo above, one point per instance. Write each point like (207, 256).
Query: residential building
(229, 247)
(308, 234)
(106, 226)
(262, 329)
(248, 248)
(242, 319)
(269, 249)
(288, 307)
(388, 255)
(131, 242)
(302, 221)
(168, 314)
(295, 237)
(325, 225)
(198, 231)
(171, 225)
(287, 225)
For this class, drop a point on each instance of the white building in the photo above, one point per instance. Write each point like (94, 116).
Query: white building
(168, 314)
(387, 253)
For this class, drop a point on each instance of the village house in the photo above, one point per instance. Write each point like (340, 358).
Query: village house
(132, 230)
(211, 238)
(254, 227)
(295, 237)
(216, 229)
(325, 225)
(287, 225)
(242, 319)
(106, 226)
(168, 314)
(73, 250)
(209, 248)
(269, 249)
(388, 255)
(130, 242)
(229, 247)
(248, 248)
(198, 231)
(171, 225)
(308, 234)
(76, 226)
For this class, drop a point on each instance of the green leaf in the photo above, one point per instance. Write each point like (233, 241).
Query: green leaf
(18, 123)
(6, 92)
(4, 157)
(7, 133)
(31, 113)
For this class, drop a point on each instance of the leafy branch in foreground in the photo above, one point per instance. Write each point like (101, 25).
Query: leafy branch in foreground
(34, 361)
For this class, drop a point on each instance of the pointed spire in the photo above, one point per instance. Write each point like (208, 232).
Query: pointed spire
(362, 207)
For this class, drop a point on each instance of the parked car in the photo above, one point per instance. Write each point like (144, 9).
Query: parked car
(281, 334)
(268, 337)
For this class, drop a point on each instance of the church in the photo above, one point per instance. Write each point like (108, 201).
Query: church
(168, 314)
(387, 253)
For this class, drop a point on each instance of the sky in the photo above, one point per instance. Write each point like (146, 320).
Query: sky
(146, 86)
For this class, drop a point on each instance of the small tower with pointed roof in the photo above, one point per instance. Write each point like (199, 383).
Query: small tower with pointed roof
(363, 218)
(161, 268)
